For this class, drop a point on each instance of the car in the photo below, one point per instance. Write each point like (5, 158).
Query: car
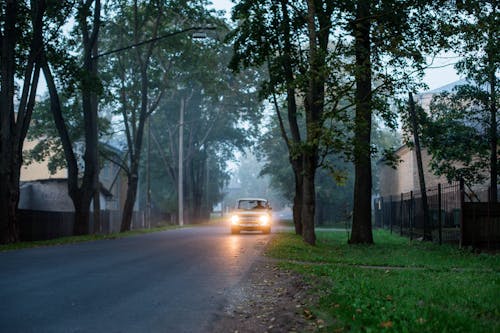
(251, 214)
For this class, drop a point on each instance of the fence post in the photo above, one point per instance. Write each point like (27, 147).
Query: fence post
(440, 224)
(390, 211)
(382, 212)
(411, 215)
(462, 194)
(401, 216)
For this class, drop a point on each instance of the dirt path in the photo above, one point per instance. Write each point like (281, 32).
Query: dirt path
(269, 300)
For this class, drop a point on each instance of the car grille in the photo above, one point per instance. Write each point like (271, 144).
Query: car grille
(249, 219)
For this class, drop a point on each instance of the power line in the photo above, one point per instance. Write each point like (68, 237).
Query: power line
(152, 40)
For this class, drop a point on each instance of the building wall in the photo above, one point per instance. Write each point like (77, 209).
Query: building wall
(38, 170)
(405, 178)
(110, 176)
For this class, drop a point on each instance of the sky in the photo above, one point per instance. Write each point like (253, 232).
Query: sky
(440, 74)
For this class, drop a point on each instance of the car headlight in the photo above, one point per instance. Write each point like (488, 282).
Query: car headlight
(235, 219)
(264, 220)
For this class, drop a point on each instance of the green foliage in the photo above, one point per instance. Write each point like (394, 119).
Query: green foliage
(48, 143)
(455, 134)
(221, 112)
(395, 284)
(334, 180)
(460, 131)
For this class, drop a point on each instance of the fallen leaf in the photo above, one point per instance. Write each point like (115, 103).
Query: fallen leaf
(386, 324)
(308, 314)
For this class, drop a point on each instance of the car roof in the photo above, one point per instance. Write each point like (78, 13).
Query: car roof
(252, 199)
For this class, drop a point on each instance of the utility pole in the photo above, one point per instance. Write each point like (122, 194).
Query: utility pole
(148, 176)
(421, 178)
(207, 194)
(180, 179)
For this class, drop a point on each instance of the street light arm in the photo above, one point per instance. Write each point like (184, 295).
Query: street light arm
(152, 40)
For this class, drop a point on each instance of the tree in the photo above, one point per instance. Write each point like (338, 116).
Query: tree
(275, 41)
(81, 188)
(361, 224)
(474, 35)
(420, 168)
(334, 186)
(178, 73)
(141, 16)
(21, 39)
(390, 37)
(454, 134)
(274, 32)
(218, 102)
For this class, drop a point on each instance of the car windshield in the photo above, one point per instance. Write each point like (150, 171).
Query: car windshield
(252, 204)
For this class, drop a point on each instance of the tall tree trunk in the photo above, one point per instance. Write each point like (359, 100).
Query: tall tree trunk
(135, 151)
(314, 103)
(14, 127)
(80, 192)
(135, 129)
(87, 188)
(309, 199)
(297, 201)
(81, 203)
(295, 139)
(128, 209)
(8, 201)
(420, 167)
(94, 107)
(361, 221)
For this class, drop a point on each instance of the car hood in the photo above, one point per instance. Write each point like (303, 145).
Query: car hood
(250, 212)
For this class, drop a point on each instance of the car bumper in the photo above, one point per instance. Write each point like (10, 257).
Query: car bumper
(251, 227)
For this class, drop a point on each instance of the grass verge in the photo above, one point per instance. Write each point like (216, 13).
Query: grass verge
(395, 284)
(83, 238)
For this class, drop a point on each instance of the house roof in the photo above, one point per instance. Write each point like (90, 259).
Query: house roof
(448, 87)
(399, 151)
(104, 191)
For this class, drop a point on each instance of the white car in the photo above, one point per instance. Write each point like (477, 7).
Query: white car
(251, 214)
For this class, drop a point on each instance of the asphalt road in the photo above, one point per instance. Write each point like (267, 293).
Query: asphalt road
(172, 281)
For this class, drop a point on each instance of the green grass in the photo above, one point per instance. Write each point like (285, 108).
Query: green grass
(83, 238)
(413, 287)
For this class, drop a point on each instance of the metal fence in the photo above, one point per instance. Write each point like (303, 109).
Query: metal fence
(456, 215)
(404, 214)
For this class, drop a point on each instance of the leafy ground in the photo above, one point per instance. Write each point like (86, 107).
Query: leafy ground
(394, 285)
